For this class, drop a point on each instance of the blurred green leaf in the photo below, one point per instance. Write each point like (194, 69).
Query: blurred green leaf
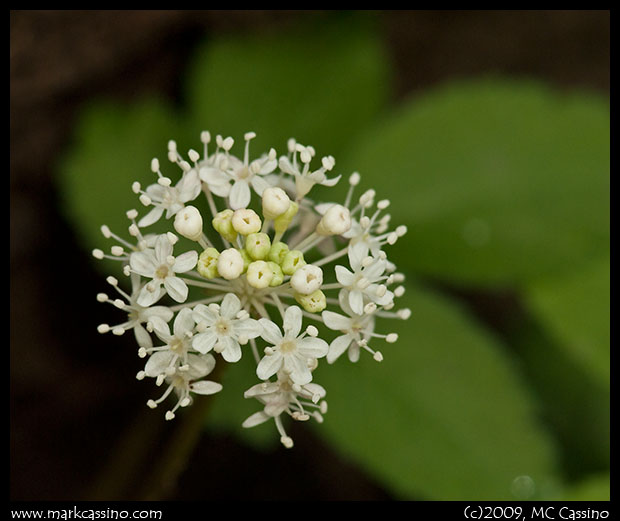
(320, 84)
(113, 147)
(500, 182)
(576, 310)
(593, 488)
(445, 416)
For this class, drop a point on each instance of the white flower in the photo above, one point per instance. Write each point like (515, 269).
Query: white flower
(169, 199)
(159, 265)
(293, 353)
(356, 329)
(305, 179)
(136, 314)
(223, 328)
(300, 402)
(362, 282)
(242, 173)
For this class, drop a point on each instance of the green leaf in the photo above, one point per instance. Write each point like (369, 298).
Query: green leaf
(576, 310)
(320, 84)
(114, 145)
(593, 488)
(445, 416)
(500, 182)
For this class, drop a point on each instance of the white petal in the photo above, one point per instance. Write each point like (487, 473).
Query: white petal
(205, 387)
(160, 327)
(146, 297)
(163, 312)
(354, 352)
(331, 182)
(232, 350)
(270, 332)
(355, 258)
(213, 176)
(204, 342)
(163, 249)
(247, 327)
(203, 314)
(292, 321)
(356, 301)
(268, 167)
(158, 362)
(337, 347)
(200, 365)
(142, 336)
(185, 262)
(323, 207)
(359, 249)
(298, 368)
(189, 186)
(255, 419)
(240, 195)
(261, 389)
(312, 347)
(344, 276)
(336, 321)
(230, 306)
(269, 365)
(176, 288)
(259, 184)
(183, 323)
(151, 218)
(143, 263)
(374, 271)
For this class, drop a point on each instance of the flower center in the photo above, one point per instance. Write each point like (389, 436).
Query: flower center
(243, 173)
(287, 346)
(222, 327)
(176, 345)
(162, 272)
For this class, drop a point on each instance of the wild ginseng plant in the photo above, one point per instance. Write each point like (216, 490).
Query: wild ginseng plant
(263, 259)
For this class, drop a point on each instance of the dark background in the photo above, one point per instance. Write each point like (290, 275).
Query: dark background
(75, 416)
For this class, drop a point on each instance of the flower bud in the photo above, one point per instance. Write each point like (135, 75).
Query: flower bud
(292, 261)
(278, 276)
(259, 274)
(246, 221)
(230, 264)
(277, 252)
(282, 222)
(313, 303)
(307, 279)
(336, 221)
(207, 263)
(188, 223)
(275, 202)
(222, 223)
(258, 245)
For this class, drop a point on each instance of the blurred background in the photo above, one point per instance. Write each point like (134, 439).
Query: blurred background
(489, 132)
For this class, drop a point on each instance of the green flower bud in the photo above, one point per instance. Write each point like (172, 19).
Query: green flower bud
(313, 303)
(247, 260)
(292, 261)
(277, 252)
(258, 245)
(222, 223)
(282, 222)
(207, 263)
(259, 274)
(278, 276)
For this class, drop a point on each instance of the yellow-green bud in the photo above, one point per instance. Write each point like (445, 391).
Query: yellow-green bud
(259, 274)
(313, 303)
(258, 245)
(292, 261)
(222, 223)
(282, 222)
(278, 276)
(277, 252)
(207, 263)
(247, 260)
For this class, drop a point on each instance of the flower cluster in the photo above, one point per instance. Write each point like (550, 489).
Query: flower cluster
(266, 259)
